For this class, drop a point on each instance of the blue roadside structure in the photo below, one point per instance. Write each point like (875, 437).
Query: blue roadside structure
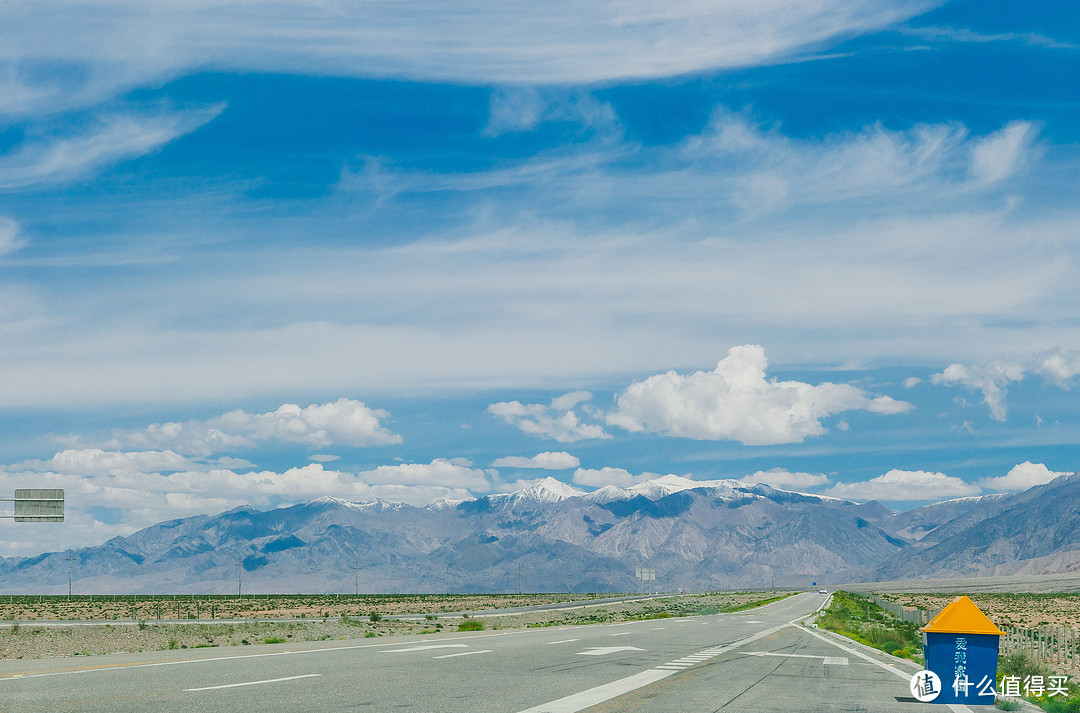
(960, 645)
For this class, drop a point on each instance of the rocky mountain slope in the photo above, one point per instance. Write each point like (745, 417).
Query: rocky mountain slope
(697, 535)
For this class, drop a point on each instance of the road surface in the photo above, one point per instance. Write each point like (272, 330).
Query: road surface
(758, 660)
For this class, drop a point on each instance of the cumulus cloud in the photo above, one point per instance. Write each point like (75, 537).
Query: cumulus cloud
(1022, 476)
(49, 160)
(1059, 368)
(911, 382)
(991, 380)
(619, 477)
(95, 461)
(147, 487)
(905, 485)
(736, 402)
(341, 422)
(784, 479)
(557, 421)
(548, 460)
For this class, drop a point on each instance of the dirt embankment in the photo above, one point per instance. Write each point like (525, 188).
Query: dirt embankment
(28, 639)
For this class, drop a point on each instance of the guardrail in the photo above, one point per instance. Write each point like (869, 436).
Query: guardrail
(1055, 644)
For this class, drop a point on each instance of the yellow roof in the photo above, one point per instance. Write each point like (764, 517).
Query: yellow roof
(961, 616)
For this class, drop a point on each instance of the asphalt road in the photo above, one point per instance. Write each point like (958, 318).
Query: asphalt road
(760, 660)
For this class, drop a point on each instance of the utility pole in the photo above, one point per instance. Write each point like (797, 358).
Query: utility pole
(239, 579)
(70, 559)
(519, 578)
(447, 580)
(357, 592)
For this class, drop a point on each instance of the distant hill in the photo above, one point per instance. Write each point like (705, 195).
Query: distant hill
(697, 535)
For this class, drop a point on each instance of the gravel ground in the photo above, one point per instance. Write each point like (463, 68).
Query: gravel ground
(27, 640)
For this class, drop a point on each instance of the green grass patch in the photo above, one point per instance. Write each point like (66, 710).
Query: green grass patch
(471, 625)
(1021, 665)
(860, 619)
(273, 640)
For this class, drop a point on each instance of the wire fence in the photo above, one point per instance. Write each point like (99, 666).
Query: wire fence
(1055, 644)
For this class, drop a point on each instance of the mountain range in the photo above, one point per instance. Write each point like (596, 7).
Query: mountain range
(696, 535)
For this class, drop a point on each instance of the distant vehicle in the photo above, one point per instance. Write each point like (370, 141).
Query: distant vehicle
(823, 591)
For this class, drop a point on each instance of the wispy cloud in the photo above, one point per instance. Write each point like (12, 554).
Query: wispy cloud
(966, 35)
(53, 54)
(52, 159)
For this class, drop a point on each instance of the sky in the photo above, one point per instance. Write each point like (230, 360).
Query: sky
(258, 253)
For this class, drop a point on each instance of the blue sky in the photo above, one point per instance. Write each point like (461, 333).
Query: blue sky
(256, 254)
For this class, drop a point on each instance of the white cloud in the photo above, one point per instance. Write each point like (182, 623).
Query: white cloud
(619, 477)
(911, 382)
(784, 479)
(905, 486)
(341, 422)
(548, 460)
(440, 472)
(523, 108)
(49, 160)
(9, 235)
(95, 461)
(324, 458)
(736, 402)
(991, 380)
(1001, 154)
(53, 54)
(557, 421)
(1022, 476)
(149, 487)
(1059, 368)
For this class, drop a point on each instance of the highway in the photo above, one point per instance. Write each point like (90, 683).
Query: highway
(758, 660)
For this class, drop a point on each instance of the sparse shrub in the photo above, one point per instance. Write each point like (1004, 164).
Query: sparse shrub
(375, 616)
(273, 640)
(471, 625)
(173, 644)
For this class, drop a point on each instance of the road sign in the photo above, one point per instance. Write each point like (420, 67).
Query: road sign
(39, 505)
(646, 574)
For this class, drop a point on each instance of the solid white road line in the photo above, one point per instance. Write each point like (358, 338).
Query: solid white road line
(407, 649)
(604, 650)
(593, 696)
(564, 641)
(463, 653)
(580, 701)
(957, 707)
(253, 683)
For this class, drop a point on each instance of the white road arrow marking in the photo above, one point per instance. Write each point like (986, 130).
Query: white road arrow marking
(604, 650)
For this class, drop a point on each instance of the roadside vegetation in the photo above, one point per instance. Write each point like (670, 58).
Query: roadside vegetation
(860, 619)
(1022, 666)
(364, 617)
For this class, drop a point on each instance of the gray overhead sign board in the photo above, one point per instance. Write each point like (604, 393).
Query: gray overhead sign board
(39, 505)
